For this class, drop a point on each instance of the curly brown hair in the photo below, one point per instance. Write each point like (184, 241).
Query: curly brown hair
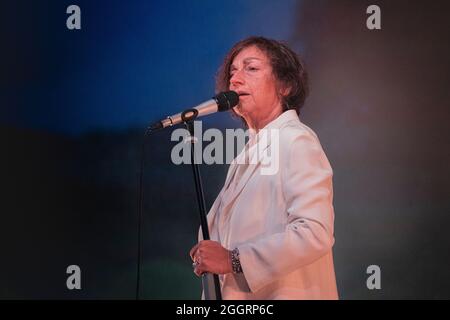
(288, 69)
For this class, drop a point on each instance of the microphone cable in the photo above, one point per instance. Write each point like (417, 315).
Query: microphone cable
(140, 212)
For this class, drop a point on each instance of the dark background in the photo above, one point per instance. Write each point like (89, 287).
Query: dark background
(74, 106)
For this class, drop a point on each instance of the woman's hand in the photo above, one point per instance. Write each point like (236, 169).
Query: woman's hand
(210, 256)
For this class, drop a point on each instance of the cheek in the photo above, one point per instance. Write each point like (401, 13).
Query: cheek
(267, 91)
(258, 85)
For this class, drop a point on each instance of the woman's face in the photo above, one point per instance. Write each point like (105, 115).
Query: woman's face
(252, 78)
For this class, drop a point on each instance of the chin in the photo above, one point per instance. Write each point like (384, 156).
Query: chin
(242, 109)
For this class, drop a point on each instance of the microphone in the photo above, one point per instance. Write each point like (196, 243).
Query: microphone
(221, 102)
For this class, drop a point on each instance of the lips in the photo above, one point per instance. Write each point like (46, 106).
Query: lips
(243, 94)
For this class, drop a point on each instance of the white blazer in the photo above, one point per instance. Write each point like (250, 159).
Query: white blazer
(281, 222)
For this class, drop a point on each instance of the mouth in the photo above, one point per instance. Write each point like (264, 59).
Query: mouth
(241, 94)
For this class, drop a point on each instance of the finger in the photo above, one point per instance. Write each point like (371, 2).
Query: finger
(193, 251)
(200, 265)
(209, 243)
(197, 247)
(198, 271)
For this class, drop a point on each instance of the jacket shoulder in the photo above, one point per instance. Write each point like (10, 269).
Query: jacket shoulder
(293, 129)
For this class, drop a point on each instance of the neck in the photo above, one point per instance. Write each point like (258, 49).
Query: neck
(258, 122)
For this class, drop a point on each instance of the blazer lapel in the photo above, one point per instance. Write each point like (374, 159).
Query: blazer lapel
(255, 162)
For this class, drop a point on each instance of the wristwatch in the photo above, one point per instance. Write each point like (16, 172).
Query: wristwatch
(235, 262)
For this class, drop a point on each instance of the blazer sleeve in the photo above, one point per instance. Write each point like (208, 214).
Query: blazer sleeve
(306, 177)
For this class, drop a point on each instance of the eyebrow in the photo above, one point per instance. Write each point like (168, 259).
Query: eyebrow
(246, 61)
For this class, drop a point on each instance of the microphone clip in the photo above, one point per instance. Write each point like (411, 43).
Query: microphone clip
(189, 115)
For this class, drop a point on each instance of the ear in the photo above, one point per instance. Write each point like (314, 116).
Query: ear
(285, 90)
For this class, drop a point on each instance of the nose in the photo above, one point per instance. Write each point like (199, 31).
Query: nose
(236, 79)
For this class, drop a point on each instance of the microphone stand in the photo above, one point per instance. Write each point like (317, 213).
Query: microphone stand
(210, 282)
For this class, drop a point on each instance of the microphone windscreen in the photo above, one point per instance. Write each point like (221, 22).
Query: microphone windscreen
(226, 100)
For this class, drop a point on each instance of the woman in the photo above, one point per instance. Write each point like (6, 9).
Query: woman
(271, 234)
